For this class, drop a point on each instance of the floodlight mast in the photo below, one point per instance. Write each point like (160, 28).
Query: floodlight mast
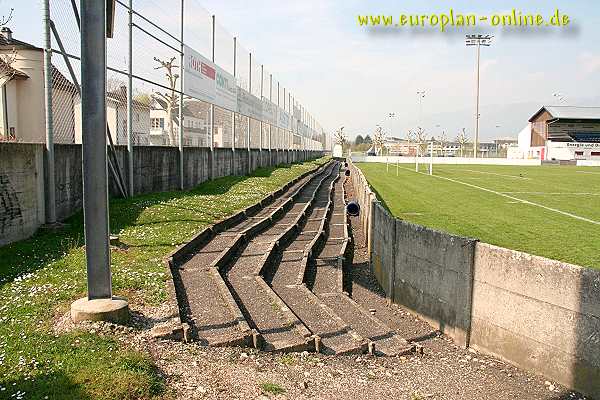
(477, 40)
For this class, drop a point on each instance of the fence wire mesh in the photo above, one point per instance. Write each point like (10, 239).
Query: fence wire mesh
(145, 56)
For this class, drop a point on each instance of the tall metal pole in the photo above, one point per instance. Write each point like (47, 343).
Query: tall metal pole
(95, 177)
(50, 180)
(270, 105)
(476, 142)
(233, 112)
(181, 125)
(260, 145)
(212, 113)
(130, 101)
(248, 120)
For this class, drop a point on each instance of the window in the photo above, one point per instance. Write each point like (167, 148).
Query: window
(157, 123)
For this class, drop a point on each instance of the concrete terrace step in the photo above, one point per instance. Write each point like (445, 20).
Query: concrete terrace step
(334, 335)
(385, 341)
(279, 328)
(207, 304)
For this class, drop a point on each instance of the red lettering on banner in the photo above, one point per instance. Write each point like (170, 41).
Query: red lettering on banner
(208, 71)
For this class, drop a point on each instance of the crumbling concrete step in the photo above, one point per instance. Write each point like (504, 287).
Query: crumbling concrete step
(334, 335)
(207, 304)
(278, 327)
(328, 275)
(211, 312)
(384, 340)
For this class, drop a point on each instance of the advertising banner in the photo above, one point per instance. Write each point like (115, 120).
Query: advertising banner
(269, 111)
(208, 82)
(199, 76)
(249, 105)
(283, 120)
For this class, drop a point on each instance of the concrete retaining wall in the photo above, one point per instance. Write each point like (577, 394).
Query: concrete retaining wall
(21, 190)
(155, 169)
(445, 160)
(540, 314)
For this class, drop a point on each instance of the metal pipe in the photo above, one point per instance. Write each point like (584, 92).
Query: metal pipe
(50, 181)
(212, 113)
(95, 178)
(130, 102)
(181, 87)
(249, 91)
(233, 112)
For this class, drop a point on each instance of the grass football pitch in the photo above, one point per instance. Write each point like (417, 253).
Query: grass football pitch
(551, 211)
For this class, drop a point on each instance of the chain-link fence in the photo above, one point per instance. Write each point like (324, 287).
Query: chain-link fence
(176, 76)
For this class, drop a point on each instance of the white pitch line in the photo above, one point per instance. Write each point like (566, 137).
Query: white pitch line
(494, 173)
(591, 221)
(588, 172)
(556, 193)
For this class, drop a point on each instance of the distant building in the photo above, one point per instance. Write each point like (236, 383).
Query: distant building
(22, 104)
(561, 133)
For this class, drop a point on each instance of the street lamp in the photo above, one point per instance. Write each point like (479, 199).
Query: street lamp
(477, 40)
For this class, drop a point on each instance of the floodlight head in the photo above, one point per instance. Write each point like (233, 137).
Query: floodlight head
(478, 40)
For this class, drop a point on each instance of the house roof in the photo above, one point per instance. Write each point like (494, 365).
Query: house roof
(12, 43)
(569, 112)
(8, 70)
(120, 95)
(59, 81)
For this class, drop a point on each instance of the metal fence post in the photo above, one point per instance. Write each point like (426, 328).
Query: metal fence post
(130, 101)
(249, 91)
(270, 125)
(50, 179)
(181, 87)
(233, 171)
(260, 142)
(95, 177)
(212, 113)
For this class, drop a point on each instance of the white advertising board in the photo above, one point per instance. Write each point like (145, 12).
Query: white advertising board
(199, 76)
(206, 81)
(283, 120)
(249, 105)
(269, 110)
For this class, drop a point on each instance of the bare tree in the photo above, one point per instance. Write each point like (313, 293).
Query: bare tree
(462, 140)
(421, 139)
(340, 137)
(379, 139)
(6, 70)
(171, 99)
(443, 140)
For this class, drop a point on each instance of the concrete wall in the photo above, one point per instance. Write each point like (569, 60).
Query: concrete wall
(446, 160)
(21, 190)
(155, 169)
(540, 314)
(433, 275)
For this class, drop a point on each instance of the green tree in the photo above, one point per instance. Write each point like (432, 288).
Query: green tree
(359, 140)
(368, 139)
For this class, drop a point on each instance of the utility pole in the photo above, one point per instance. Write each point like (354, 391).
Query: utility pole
(477, 40)
(99, 303)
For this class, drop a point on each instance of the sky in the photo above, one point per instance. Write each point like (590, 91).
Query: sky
(350, 76)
